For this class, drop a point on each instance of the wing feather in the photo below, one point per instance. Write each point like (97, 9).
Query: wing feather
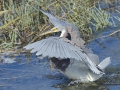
(67, 52)
(30, 46)
(57, 50)
(62, 52)
(49, 50)
(60, 48)
(54, 48)
(38, 46)
(43, 49)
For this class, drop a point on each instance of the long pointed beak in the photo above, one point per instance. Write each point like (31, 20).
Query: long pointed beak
(53, 30)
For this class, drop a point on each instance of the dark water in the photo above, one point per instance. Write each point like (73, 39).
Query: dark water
(24, 71)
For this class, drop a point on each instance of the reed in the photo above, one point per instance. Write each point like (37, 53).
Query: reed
(21, 23)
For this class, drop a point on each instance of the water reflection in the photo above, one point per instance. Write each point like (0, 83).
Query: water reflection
(6, 59)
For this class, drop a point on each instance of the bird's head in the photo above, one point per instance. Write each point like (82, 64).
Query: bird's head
(54, 30)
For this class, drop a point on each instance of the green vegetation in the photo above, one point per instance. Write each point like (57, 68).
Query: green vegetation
(21, 23)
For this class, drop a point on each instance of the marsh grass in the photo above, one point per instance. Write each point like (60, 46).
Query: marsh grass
(22, 24)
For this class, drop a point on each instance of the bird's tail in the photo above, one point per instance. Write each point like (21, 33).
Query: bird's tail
(104, 63)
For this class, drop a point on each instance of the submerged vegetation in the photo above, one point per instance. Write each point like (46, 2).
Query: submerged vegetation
(22, 22)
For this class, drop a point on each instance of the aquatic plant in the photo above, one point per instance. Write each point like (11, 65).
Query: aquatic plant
(22, 23)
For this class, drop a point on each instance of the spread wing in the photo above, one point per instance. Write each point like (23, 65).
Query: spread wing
(60, 48)
(55, 21)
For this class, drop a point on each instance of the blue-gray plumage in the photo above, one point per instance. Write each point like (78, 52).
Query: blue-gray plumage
(68, 53)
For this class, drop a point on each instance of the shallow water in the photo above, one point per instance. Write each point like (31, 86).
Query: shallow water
(30, 73)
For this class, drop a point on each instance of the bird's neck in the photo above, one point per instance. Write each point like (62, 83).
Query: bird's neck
(64, 33)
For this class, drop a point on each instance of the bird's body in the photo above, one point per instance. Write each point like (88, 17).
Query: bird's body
(77, 70)
(68, 53)
(80, 72)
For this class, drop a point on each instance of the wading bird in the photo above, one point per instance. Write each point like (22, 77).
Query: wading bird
(68, 53)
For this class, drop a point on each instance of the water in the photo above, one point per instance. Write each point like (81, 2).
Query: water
(24, 71)
(27, 74)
